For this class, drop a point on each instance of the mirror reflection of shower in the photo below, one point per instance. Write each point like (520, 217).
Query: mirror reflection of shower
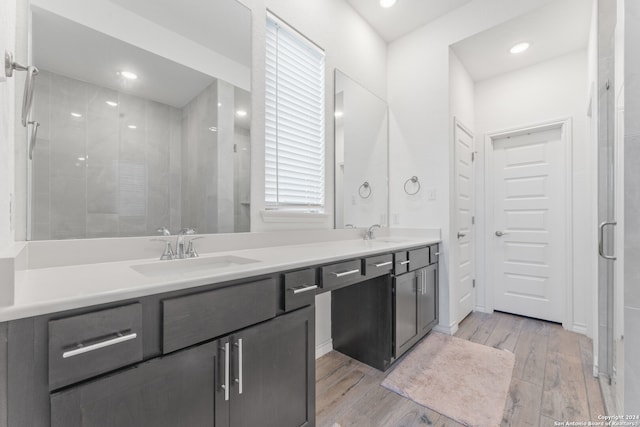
(130, 141)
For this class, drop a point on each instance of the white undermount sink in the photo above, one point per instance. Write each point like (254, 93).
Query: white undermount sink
(190, 267)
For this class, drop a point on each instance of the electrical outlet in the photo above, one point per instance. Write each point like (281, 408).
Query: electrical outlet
(431, 194)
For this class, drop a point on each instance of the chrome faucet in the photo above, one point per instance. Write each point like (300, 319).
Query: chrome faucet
(368, 235)
(168, 253)
(180, 252)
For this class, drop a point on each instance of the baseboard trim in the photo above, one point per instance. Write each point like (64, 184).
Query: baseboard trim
(324, 348)
(448, 330)
(580, 328)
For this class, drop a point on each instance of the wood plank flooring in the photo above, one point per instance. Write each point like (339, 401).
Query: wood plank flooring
(552, 380)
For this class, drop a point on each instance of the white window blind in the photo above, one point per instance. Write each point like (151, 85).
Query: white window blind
(294, 151)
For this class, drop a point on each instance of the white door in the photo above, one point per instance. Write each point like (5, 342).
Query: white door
(464, 156)
(529, 217)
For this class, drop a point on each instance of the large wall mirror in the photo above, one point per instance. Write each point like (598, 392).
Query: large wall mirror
(361, 156)
(144, 110)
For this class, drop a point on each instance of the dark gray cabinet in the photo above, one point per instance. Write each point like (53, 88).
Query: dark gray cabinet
(273, 375)
(263, 375)
(406, 312)
(427, 291)
(415, 306)
(175, 390)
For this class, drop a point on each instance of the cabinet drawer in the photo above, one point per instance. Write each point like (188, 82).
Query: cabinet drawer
(400, 262)
(418, 258)
(434, 253)
(199, 317)
(299, 288)
(94, 343)
(377, 265)
(341, 274)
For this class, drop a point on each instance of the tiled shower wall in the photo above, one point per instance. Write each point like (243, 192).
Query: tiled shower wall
(106, 172)
(103, 170)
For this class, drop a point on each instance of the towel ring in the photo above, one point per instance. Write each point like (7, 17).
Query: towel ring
(363, 189)
(413, 179)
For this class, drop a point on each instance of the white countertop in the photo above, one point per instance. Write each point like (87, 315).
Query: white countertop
(59, 288)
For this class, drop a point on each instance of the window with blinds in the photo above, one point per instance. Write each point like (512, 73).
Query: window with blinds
(294, 151)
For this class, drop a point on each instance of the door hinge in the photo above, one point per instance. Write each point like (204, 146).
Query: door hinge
(473, 281)
(473, 156)
(473, 220)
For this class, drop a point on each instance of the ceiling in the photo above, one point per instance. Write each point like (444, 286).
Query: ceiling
(560, 27)
(405, 16)
(73, 50)
(218, 25)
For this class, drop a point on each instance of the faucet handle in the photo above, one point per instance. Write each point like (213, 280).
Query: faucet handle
(168, 253)
(191, 250)
(164, 231)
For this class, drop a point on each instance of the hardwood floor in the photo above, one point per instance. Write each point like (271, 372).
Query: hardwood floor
(551, 380)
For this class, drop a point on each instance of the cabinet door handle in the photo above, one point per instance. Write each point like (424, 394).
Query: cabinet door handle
(346, 273)
(404, 262)
(382, 264)
(102, 344)
(240, 363)
(225, 386)
(303, 288)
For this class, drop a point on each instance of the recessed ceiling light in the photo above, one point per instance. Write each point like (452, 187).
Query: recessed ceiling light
(387, 3)
(519, 47)
(76, 115)
(132, 127)
(82, 159)
(241, 113)
(111, 103)
(213, 129)
(338, 114)
(128, 75)
(219, 104)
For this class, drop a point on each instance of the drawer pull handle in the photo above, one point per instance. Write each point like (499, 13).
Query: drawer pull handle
(346, 273)
(382, 264)
(436, 254)
(239, 379)
(404, 262)
(102, 344)
(303, 288)
(225, 386)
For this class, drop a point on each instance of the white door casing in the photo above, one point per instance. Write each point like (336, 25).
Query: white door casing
(463, 208)
(528, 233)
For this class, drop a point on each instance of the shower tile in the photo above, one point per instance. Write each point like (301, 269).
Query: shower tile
(102, 188)
(68, 207)
(132, 226)
(102, 225)
(102, 137)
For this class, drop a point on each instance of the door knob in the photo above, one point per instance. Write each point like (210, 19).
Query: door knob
(501, 233)
(461, 234)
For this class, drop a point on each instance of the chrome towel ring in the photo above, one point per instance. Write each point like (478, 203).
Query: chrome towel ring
(414, 180)
(366, 189)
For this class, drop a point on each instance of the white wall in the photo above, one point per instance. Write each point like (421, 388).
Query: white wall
(7, 123)
(350, 45)
(549, 91)
(418, 97)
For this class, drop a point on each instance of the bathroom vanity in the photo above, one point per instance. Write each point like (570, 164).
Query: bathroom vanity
(235, 352)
